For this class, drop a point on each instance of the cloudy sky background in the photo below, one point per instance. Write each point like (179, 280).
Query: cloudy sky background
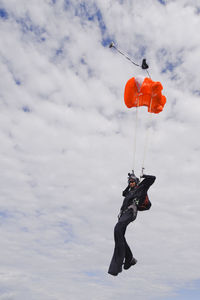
(67, 143)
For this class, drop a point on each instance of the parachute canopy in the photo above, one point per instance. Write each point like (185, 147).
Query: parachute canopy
(144, 92)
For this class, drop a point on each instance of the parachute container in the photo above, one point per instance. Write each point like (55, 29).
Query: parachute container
(144, 92)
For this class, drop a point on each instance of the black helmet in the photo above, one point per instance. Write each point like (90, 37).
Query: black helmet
(132, 177)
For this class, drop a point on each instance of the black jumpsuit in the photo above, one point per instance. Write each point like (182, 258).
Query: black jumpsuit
(134, 200)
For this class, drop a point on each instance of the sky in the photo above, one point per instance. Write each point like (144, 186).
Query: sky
(67, 143)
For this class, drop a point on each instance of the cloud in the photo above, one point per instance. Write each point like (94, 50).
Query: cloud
(67, 144)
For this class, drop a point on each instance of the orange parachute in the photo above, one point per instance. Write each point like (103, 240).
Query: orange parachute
(145, 93)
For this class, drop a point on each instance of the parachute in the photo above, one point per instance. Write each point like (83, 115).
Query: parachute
(144, 92)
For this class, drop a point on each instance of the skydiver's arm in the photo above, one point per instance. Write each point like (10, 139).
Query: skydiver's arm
(125, 192)
(148, 181)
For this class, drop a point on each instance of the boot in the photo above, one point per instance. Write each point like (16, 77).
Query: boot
(127, 265)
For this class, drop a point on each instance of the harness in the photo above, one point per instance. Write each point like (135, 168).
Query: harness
(133, 207)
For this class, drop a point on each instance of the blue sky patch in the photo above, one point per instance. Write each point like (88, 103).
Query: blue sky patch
(162, 52)
(198, 10)
(62, 47)
(26, 109)
(67, 3)
(162, 2)
(67, 231)
(167, 61)
(59, 51)
(106, 41)
(3, 13)
(170, 66)
(93, 14)
(92, 273)
(196, 92)
(98, 16)
(3, 214)
(192, 292)
(142, 51)
(27, 26)
(18, 82)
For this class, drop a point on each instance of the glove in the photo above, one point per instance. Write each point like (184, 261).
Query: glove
(119, 215)
(144, 176)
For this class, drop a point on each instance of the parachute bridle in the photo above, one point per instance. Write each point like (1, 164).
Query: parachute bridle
(144, 64)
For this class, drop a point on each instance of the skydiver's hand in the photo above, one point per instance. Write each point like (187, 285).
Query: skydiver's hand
(144, 176)
(119, 215)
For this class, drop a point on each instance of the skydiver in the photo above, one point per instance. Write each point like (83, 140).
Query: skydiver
(136, 198)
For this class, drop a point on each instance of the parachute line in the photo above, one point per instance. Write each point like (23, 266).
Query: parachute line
(135, 137)
(147, 137)
(148, 74)
(144, 65)
(146, 143)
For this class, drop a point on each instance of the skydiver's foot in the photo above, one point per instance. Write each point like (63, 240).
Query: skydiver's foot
(127, 265)
(113, 274)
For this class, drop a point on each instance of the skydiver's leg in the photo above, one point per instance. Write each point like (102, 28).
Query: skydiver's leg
(118, 255)
(120, 244)
(129, 259)
(128, 252)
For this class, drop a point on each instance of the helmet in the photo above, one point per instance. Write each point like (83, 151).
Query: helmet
(132, 177)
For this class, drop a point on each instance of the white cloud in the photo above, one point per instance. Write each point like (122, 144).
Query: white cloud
(67, 146)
